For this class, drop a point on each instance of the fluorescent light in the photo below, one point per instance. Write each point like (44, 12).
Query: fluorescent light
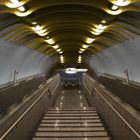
(114, 7)
(21, 8)
(61, 52)
(95, 33)
(85, 46)
(58, 50)
(82, 49)
(55, 47)
(103, 21)
(40, 31)
(98, 30)
(89, 40)
(101, 27)
(50, 41)
(37, 28)
(34, 22)
(122, 2)
(15, 1)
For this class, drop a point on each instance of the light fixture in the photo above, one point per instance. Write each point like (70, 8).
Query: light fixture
(34, 22)
(14, 2)
(98, 30)
(89, 40)
(61, 52)
(103, 21)
(96, 33)
(82, 50)
(21, 9)
(58, 50)
(85, 46)
(50, 41)
(114, 7)
(101, 27)
(61, 59)
(71, 70)
(37, 28)
(79, 59)
(55, 47)
(121, 2)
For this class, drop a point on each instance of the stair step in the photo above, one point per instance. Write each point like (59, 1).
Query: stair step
(71, 125)
(82, 111)
(76, 138)
(71, 118)
(71, 121)
(70, 134)
(60, 114)
(71, 129)
(87, 109)
(91, 138)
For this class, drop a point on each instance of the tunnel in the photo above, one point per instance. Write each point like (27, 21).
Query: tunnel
(69, 70)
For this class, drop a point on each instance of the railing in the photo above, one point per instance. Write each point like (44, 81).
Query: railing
(120, 116)
(28, 109)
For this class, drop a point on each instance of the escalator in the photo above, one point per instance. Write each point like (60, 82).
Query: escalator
(71, 119)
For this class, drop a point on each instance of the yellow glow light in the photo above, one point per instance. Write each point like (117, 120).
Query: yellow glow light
(40, 31)
(95, 33)
(21, 9)
(61, 52)
(82, 50)
(37, 28)
(114, 7)
(101, 27)
(34, 23)
(89, 40)
(61, 59)
(103, 21)
(98, 30)
(121, 2)
(85, 46)
(55, 47)
(50, 41)
(117, 12)
(14, 4)
(15, 1)
(43, 34)
(58, 50)
(23, 14)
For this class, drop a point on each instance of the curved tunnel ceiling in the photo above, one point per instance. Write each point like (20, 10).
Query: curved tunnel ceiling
(69, 27)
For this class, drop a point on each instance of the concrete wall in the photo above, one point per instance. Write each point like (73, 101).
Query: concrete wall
(26, 61)
(116, 59)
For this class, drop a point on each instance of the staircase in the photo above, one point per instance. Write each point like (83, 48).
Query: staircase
(71, 124)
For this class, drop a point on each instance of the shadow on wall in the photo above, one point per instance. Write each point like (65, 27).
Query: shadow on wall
(25, 61)
(116, 59)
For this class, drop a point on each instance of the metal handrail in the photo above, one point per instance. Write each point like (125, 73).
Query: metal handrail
(131, 128)
(30, 107)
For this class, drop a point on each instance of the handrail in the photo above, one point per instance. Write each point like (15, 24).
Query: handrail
(30, 107)
(131, 128)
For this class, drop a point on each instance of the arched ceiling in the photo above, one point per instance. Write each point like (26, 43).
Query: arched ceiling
(69, 27)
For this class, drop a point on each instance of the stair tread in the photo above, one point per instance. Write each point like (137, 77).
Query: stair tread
(80, 138)
(60, 114)
(72, 111)
(71, 124)
(66, 125)
(71, 121)
(66, 117)
(70, 134)
(71, 129)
